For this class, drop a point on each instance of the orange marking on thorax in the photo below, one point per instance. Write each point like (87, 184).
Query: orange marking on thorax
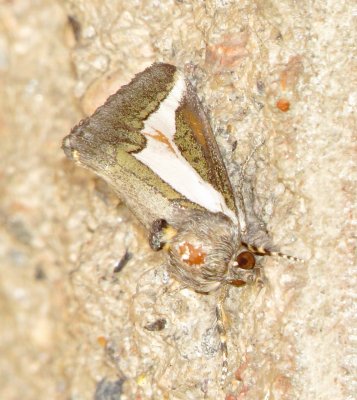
(191, 254)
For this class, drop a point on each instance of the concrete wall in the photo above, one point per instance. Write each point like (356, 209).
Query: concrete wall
(276, 72)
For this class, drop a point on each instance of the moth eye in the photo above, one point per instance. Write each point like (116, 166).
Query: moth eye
(246, 260)
(191, 254)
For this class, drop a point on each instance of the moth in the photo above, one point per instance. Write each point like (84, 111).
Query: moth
(152, 142)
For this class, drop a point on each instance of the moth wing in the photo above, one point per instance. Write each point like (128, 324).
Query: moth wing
(107, 141)
(196, 142)
(130, 143)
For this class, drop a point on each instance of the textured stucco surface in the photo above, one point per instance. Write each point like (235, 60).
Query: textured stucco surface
(71, 328)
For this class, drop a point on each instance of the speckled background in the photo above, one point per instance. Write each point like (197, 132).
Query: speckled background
(276, 72)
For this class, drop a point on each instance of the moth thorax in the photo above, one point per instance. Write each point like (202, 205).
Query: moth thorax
(200, 252)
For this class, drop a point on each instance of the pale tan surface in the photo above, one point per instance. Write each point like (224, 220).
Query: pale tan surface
(67, 321)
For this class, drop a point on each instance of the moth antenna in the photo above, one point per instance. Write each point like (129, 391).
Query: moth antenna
(246, 162)
(240, 184)
(261, 251)
(222, 332)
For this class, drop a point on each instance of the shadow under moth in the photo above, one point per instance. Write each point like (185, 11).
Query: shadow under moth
(152, 142)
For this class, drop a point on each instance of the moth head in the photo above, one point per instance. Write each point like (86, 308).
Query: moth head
(241, 268)
(205, 250)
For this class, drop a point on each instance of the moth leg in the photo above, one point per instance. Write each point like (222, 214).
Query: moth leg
(161, 234)
(241, 277)
(222, 332)
(261, 251)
